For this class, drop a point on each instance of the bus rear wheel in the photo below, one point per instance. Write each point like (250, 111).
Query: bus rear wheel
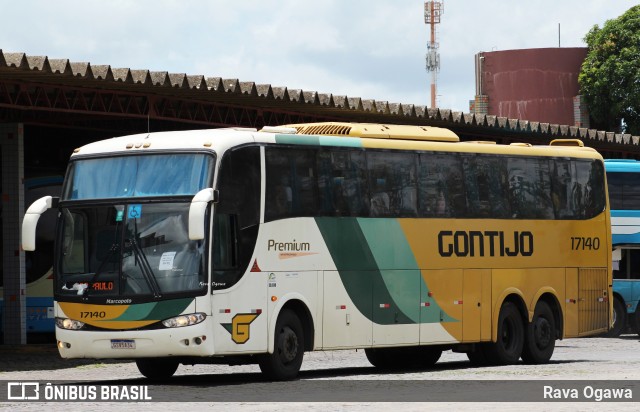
(619, 319)
(508, 347)
(285, 361)
(540, 340)
(157, 369)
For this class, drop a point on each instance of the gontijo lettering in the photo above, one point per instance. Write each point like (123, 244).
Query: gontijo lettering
(488, 243)
(288, 246)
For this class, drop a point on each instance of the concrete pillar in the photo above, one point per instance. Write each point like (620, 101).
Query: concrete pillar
(13, 267)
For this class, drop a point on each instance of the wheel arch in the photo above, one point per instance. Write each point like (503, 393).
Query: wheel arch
(551, 299)
(617, 295)
(514, 296)
(298, 305)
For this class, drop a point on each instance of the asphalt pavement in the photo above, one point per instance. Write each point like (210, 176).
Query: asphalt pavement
(37, 356)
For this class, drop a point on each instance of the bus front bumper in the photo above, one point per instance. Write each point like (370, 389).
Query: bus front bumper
(195, 340)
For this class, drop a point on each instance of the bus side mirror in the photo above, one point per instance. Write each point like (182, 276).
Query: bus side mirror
(30, 221)
(197, 212)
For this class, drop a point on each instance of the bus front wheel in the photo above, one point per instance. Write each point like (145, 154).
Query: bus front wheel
(285, 361)
(403, 358)
(157, 369)
(508, 347)
(540, 337)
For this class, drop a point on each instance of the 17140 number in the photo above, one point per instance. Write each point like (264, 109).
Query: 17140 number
(585, 243)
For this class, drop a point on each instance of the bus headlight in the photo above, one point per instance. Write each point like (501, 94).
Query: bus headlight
(184, 320)
(66, 323)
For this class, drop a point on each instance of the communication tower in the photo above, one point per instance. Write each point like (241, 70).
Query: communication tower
(432, 12)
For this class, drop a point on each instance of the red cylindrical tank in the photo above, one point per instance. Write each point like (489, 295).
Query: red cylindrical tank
(531, 84)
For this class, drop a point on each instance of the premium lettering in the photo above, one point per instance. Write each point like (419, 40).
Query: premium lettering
(288, 246)
(488, 243)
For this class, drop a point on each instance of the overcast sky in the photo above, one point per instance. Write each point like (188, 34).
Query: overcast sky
(373, 49)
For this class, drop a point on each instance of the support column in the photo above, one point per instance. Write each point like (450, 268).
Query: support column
(14, 309)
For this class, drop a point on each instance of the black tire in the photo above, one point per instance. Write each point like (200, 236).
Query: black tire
(619, 319)
(477, 357)
(540, 337)
(414, 357)
(285, 361)
(428, 356)
(157, 369)
(508, 348)
(380, 358)
(636, 321)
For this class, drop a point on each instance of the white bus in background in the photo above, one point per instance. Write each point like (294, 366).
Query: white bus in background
(39, 276)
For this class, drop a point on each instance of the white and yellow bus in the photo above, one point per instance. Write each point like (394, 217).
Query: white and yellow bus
(244, 246)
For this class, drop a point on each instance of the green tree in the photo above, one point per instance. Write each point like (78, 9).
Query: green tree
(610, 75)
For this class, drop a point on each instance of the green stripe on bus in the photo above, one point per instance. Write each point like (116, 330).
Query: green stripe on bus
(398, 267)
(318, 140)
(359, 271)
(155, 310)
(379, 271)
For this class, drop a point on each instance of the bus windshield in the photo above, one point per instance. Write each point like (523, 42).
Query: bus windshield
(138, 176)
(128, 250)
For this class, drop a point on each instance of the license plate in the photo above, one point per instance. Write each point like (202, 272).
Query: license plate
(123, 344)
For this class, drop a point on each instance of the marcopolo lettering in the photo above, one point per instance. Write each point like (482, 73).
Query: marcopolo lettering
(488, 243)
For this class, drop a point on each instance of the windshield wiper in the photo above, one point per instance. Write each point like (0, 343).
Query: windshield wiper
(145, 268)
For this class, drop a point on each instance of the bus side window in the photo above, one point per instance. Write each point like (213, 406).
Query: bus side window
(355, 184)
(530, 188)
(326, 196)
(224, 254)
(440, 185)
(616, 183)
(629, 265)
(73, 252)
(629, 194)
(561, 188)
(591, 178)
(495, 173)
(349, 182)
(292, 183)
(392, 183)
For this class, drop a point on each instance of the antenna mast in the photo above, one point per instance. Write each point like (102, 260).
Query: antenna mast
(432, 12)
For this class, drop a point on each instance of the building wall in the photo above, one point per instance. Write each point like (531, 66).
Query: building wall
(531, 84)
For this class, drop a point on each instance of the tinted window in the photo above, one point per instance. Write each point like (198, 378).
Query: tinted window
(237, 215)
(530, 188)
(342, 183)
(392, 183)
(291, 183)
(345, 182)
(486, 181)
(440, 185)
(624, 190)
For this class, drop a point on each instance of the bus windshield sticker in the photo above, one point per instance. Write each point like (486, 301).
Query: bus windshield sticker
(166, 261)
(134, 212)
